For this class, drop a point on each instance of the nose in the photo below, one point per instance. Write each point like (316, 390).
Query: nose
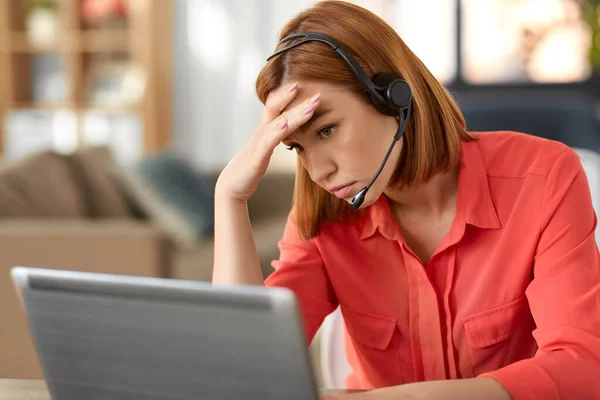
(320, 166)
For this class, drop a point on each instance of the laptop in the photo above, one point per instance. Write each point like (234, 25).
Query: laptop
(101, 336)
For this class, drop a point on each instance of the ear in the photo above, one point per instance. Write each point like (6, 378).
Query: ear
(397, 118)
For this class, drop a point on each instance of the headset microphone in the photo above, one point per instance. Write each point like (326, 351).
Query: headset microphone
(389, 94)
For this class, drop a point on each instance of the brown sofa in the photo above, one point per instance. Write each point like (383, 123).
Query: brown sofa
(71, 212)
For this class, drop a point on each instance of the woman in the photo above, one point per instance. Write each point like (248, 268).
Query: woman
(470, 271)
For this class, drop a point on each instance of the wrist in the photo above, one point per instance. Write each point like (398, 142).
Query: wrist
(225, 196)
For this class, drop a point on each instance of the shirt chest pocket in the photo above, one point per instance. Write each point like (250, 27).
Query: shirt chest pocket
(499, 336)
(375, 342)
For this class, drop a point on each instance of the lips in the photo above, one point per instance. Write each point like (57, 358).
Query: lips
(342, 191)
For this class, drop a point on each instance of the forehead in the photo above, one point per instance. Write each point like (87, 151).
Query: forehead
(330, 94)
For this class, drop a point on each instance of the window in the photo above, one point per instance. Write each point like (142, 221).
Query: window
(522, 41)
(429, 30)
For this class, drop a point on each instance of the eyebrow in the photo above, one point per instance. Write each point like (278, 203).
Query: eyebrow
(319, 112)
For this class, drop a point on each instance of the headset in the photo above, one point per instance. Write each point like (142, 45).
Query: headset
(389, 94)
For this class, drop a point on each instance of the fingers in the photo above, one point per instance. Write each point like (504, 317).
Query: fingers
(277, 102)
(291, 120)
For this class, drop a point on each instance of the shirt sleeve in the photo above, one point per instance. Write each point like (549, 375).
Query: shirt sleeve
(300, 268)
(564, 295)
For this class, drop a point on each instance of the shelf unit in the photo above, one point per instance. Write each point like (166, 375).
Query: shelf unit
(142, 41)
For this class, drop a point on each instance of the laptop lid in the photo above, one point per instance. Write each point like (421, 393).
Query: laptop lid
(101, 336)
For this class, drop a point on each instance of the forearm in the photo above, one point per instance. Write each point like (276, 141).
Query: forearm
(458, 389)
(554, 373)
(236, 259)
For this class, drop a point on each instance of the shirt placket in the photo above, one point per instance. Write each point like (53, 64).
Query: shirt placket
(425, 328)
(440, 271)
(433, 360)
(450, 261)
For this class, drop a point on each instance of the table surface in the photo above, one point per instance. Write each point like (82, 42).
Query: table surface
(23, 389)
(34, 389)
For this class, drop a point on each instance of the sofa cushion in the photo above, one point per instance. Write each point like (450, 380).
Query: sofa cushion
(173, 195)
(94, 168)
(40, 185)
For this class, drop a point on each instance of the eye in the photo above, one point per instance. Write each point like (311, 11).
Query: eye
(325, 132)
(293, 147)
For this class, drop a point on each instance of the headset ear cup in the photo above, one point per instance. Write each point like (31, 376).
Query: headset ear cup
(399, 93)
(382, 107)
(382, 80)
(396, 92)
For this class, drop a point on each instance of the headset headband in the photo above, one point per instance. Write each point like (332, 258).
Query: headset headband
(346, 56)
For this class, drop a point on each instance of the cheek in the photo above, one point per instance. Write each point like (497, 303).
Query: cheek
(366, 146)
(350, 151)
(357, 141)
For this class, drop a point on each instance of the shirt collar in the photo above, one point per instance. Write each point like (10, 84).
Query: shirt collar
(473, 198)
(377, 216)
(474, 189)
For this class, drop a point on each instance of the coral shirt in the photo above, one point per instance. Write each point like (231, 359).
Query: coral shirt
(512, 291)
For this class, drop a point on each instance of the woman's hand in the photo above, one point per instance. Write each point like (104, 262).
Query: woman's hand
(239, 179)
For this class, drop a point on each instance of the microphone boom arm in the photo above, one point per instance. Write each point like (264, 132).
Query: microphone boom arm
(402, 123)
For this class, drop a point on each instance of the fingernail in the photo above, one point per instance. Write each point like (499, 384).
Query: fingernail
(314, 99)
(283, 125)
(293, 86)
(309, 109)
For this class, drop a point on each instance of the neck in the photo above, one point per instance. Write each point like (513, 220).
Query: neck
(434, 196)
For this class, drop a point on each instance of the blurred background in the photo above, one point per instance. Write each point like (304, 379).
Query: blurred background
(116, 117)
